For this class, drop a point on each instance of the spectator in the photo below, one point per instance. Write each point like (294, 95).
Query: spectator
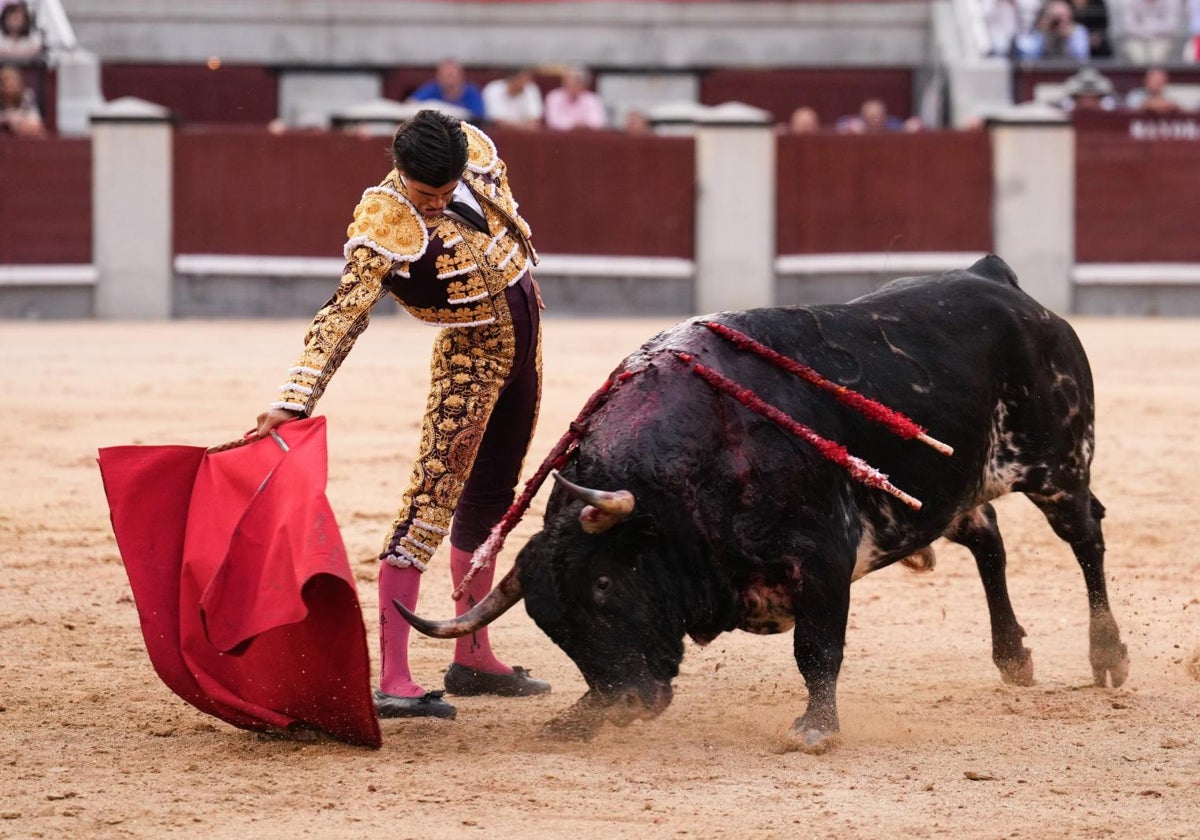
(1093, 14)
(1055, 35)
(1152, 96)
(19, 39)
(637, 123)
(450, 84)
(1004, 24)
(572, 105)
(1088, 90)
(1191, 45)
(514, 101)
(804, 120)
(1191, 48)
(19, 114)
(1150, 30)
(873, 118)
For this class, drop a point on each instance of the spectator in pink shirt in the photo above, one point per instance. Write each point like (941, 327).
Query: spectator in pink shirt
(573, 106)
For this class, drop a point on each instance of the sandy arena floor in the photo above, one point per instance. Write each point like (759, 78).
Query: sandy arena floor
(92, 744)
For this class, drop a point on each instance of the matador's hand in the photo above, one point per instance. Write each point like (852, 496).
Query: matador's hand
(268, 420)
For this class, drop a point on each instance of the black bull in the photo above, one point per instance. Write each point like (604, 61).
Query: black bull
(737, 524)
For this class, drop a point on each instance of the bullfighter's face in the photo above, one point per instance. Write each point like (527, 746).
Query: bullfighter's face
(595, 596)
(430, 199)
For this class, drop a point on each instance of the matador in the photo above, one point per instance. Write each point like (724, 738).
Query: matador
(441, 234)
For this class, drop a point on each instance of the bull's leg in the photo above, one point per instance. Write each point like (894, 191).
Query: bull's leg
(1075, 517)
(818, 641)
(977, 530)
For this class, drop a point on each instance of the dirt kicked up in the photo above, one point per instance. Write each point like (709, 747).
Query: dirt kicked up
(92, 744)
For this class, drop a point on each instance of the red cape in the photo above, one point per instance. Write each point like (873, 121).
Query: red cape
(245, 595)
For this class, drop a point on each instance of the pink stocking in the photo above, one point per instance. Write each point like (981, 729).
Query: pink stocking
(403, 585)
(475, 650)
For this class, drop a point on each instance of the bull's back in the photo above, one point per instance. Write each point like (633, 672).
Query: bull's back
(946, 351)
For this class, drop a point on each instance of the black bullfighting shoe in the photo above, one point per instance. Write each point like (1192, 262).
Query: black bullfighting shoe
(465, 681)
(429, 704)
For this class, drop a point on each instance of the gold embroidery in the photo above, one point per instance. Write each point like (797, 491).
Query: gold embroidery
(388, 224)
(481, 151)
(468, 369)
(454, 261)
(339, 323)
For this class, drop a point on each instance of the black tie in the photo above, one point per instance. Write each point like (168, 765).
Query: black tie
(472, 216)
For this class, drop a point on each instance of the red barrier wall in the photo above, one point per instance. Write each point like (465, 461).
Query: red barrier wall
(930, 191)
(251, 192)
(45, 201)
(197, 94)
(833, 93)
(604, 192)
(1137, 182)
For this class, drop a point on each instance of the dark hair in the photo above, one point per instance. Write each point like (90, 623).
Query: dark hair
(430, 147)
(27, 28)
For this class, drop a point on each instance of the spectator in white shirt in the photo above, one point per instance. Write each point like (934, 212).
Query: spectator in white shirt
(573, 106)
(19, 39)
(1150, 30)
(514, 101)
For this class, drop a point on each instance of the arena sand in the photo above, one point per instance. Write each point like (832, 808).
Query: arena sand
(93, 745)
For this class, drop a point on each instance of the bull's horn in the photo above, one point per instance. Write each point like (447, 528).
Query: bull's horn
(604, 508)
(506, 593)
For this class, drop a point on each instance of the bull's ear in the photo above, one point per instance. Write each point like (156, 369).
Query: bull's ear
(602, 509)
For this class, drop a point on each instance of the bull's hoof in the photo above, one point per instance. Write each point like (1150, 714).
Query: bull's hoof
(809, 739)
(1017, 671)
(1110, 665)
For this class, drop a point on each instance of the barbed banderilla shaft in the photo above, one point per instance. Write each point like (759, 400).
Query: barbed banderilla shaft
(858, 469)
(894, 420)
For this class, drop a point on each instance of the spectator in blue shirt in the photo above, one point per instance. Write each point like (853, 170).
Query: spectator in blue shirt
(1055, 35)
(450, 85)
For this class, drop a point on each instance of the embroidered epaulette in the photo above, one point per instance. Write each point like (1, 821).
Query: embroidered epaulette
(387, 223)
(481, 151)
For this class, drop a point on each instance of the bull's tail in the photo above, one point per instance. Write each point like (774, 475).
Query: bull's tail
(994, 268)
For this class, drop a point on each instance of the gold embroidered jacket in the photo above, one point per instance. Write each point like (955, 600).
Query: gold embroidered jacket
(444, 272)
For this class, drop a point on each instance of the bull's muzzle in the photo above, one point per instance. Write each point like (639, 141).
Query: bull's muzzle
(506, 593)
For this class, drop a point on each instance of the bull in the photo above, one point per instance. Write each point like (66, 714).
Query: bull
(683, 514)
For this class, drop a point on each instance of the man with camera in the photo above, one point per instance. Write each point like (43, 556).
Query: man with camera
(1055, 34)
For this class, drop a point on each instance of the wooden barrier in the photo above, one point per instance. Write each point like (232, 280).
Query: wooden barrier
(922, 192)
(1136, 183)
(45, 201)
(604, 192)
(832, 92)
(251, 192)
(197, 93)
(256, 193)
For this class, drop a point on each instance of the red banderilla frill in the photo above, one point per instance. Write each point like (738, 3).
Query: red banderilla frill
(558, 456)
(859, 469)
(869, 408)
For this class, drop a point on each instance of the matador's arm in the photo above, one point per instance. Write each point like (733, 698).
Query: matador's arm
(334, 329)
